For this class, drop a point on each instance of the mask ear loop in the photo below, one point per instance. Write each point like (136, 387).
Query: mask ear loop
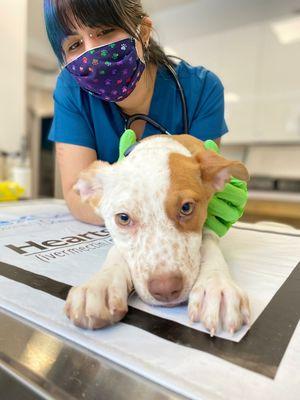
(145, 45)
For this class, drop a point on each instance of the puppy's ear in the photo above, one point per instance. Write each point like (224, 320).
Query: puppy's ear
(89, 185)
(217, 171)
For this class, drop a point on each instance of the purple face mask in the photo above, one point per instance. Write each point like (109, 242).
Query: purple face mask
(109, 72)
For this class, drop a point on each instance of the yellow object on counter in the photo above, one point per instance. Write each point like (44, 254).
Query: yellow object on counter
(10, 191)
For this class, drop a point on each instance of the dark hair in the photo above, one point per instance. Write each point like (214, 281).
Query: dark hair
(60, 16)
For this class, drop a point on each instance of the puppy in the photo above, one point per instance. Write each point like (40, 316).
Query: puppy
(154, 204)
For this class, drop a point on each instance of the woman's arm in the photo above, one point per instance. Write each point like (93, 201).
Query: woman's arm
(218, 141)
(72, 159)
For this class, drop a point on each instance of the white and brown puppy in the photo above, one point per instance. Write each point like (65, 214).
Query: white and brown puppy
(154, 204)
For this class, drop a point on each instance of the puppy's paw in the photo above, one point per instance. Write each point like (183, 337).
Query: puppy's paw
(219, 301)
(96, 305)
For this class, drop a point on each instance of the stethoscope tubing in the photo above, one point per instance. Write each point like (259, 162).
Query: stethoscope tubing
(146, 118)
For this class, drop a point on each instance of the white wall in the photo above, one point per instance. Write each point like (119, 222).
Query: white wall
(38, 45)
(261, 80)
(12, 73)
(260, 75)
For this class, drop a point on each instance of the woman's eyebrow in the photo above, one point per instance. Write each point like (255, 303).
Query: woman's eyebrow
(76, 33)
(73, 33)
(70, 37)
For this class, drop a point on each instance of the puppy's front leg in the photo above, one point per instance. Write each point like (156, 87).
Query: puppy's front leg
(102, 300)
(215, 297)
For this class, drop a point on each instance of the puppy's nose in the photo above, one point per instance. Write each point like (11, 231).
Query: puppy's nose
(165, 287)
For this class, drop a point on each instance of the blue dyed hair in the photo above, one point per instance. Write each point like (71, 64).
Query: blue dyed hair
(62, 16)
(55, 31)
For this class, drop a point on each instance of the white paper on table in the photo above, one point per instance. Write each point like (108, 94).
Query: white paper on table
(259, 262)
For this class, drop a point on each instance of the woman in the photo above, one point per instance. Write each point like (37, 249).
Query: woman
(90, 113)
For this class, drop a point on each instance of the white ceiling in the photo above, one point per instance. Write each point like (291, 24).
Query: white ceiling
(246, 8)
(155, 6)
(200, 17)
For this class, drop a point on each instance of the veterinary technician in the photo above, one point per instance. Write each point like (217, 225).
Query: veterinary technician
(112, 68)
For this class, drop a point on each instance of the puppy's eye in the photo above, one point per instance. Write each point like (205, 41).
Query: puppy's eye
(123, 219)
(187, 208)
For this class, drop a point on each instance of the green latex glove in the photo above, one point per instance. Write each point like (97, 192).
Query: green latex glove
(226, 207)
(127, 139)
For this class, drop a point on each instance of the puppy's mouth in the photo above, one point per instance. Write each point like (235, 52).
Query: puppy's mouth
(173, 304)
(182, 300)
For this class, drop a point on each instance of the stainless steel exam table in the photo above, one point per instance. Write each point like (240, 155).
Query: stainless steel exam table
(70, 373)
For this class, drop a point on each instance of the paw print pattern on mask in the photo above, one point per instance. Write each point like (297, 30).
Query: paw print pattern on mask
(109, 72)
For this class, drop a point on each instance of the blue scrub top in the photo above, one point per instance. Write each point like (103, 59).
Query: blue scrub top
(82, 119)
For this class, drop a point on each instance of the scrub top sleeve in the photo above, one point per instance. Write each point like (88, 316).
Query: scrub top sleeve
(208, 121)
(69, 125)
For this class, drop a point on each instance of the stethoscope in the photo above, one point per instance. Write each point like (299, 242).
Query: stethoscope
(130, 119)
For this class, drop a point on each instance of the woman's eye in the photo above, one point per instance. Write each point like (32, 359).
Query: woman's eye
(187, 208)
(123, 219)
(105, 31)
(74, 46)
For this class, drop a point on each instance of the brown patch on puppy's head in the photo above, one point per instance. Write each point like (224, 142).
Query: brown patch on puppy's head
(194, 180)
